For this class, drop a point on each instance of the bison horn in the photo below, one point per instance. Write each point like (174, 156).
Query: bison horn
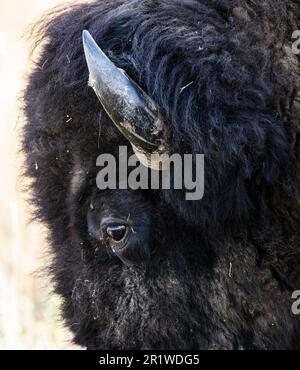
(129, 107)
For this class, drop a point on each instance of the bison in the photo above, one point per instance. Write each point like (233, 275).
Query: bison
(148, 269)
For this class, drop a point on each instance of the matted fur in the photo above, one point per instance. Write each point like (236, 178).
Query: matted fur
(222, 269)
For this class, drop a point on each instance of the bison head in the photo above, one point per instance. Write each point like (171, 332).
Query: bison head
(146, 268)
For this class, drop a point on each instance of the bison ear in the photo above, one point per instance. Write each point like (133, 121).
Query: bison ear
(134, 113)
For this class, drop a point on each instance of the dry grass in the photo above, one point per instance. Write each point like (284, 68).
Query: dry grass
(29, 316)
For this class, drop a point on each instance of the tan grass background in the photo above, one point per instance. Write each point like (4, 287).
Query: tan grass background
(29, 315)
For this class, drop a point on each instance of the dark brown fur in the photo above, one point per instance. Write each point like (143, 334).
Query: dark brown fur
(222, 270)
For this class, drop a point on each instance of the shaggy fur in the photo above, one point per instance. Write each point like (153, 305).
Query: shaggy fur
(221, 270)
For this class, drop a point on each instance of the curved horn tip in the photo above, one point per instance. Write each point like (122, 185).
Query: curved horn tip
(89, 44)
(86, 35)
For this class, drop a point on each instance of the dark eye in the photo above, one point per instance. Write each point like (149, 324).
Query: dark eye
(116, 231)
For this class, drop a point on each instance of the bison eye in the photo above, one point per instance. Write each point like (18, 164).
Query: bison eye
(116, 232)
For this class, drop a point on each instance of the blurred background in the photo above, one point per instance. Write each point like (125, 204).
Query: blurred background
(29, 314)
